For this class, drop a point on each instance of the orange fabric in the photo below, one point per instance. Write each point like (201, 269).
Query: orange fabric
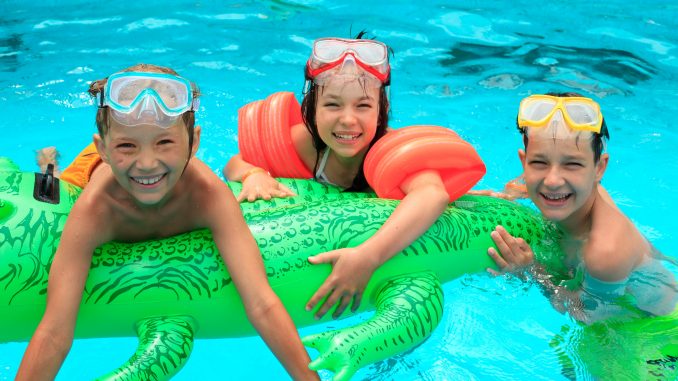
(264, 137)
(406, 151)
(80, 170)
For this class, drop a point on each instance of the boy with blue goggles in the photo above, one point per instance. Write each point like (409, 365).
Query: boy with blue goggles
(136, 98)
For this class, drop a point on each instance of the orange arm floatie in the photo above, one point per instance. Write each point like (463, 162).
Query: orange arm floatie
(406, 151)
(264, 136)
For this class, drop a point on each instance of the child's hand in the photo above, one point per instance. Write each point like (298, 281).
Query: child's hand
(491, 193)
(351, 270)
(515, 252)
(514, 189)
(262, 185)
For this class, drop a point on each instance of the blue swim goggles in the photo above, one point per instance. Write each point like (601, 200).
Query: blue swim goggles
(136, 98)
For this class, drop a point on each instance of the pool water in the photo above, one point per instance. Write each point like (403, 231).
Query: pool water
(464, 65)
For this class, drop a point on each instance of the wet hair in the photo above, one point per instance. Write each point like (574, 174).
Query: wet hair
(598, 140)
(96, 91)
(308, 113)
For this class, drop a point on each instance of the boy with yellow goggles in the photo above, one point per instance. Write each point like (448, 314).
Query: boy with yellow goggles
(607, 258)
(580, 113)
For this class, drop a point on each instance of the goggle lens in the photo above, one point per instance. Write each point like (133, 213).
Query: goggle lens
(172, 94)
(582, 113)
(138, 98)
(579, 113)
(330, 50)
(329, 53)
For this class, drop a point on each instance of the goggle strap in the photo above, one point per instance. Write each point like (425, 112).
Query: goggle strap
(101, 97)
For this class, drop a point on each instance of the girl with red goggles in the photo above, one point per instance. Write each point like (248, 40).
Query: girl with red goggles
(344, 113)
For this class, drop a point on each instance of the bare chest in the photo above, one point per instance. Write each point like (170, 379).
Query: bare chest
(139, 225)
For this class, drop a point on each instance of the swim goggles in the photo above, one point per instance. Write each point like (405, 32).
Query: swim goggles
(147, 98)
(582, 114)
(329, 53)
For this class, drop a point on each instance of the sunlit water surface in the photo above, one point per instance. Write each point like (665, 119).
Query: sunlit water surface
(464, 65)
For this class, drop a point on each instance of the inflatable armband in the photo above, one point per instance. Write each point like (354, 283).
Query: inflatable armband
(407, 151)
(264, 136)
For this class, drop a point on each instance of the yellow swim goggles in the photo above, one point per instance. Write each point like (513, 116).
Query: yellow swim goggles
(580, 113)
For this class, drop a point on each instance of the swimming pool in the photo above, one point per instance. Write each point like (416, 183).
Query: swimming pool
(464, 66)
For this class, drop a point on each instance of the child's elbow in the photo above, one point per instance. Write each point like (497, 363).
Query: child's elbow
(57, 341)
(261, 307)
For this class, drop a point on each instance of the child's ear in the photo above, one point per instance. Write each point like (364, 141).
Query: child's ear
(601, 166)
(521, 156)
(196, 140)
(99, 144)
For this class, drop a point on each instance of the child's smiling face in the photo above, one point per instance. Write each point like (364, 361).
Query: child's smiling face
(560, 172)
(346, 117)
(146, 160)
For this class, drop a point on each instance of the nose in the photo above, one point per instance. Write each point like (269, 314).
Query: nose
(347, 117)
(554, 178)
(146, 160)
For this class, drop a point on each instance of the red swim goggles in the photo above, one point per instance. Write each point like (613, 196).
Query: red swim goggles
(329, 53)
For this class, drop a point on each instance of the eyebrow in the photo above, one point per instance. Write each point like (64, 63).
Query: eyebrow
(565, 158)
(338, 97)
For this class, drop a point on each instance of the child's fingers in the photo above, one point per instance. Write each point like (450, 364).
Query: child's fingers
(326, 257)
(322, 291)
(480, 192)
(241, 196)
(343, 303)
(497, 258)
(288, 191)
(251, 196)
(265, 194)
(357, 299)
(502, 245)
(281, 193)
(506, 236)
(329, 302)
(513, 243)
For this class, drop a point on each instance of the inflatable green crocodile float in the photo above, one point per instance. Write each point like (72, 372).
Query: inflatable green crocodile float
(170, 291)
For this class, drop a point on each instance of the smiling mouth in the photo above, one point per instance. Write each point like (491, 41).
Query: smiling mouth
(557, 198)
(146, 180)
(347, 136)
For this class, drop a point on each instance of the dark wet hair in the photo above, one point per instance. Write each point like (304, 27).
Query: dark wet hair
(308, 113)
(597, 142)
(96, 90)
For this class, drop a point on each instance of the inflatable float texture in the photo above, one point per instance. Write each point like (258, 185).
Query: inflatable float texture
(170, 291)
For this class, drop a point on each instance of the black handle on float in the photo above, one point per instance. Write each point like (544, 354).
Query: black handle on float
(46, 188)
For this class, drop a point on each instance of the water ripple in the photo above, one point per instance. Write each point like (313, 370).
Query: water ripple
(50, 23)
(153, 23)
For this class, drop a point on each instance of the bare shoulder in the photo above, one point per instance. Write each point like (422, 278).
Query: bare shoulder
(209, 192)
(91, 220)
(303, 144)
(615, 246)
(199, 173)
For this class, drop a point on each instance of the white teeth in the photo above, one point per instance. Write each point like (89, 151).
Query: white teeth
(347, 137)
(147, 180)
(556, 196)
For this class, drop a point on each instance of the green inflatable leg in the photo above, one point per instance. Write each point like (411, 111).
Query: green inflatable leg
(639, 349)
(408, 309)
(164, 346)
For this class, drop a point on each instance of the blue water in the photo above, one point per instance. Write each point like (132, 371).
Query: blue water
(464, 65)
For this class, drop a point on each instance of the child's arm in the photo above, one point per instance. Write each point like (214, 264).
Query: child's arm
(513, 189)
(243, 260)
(256, 182)
(425, 200)
(53, 338)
